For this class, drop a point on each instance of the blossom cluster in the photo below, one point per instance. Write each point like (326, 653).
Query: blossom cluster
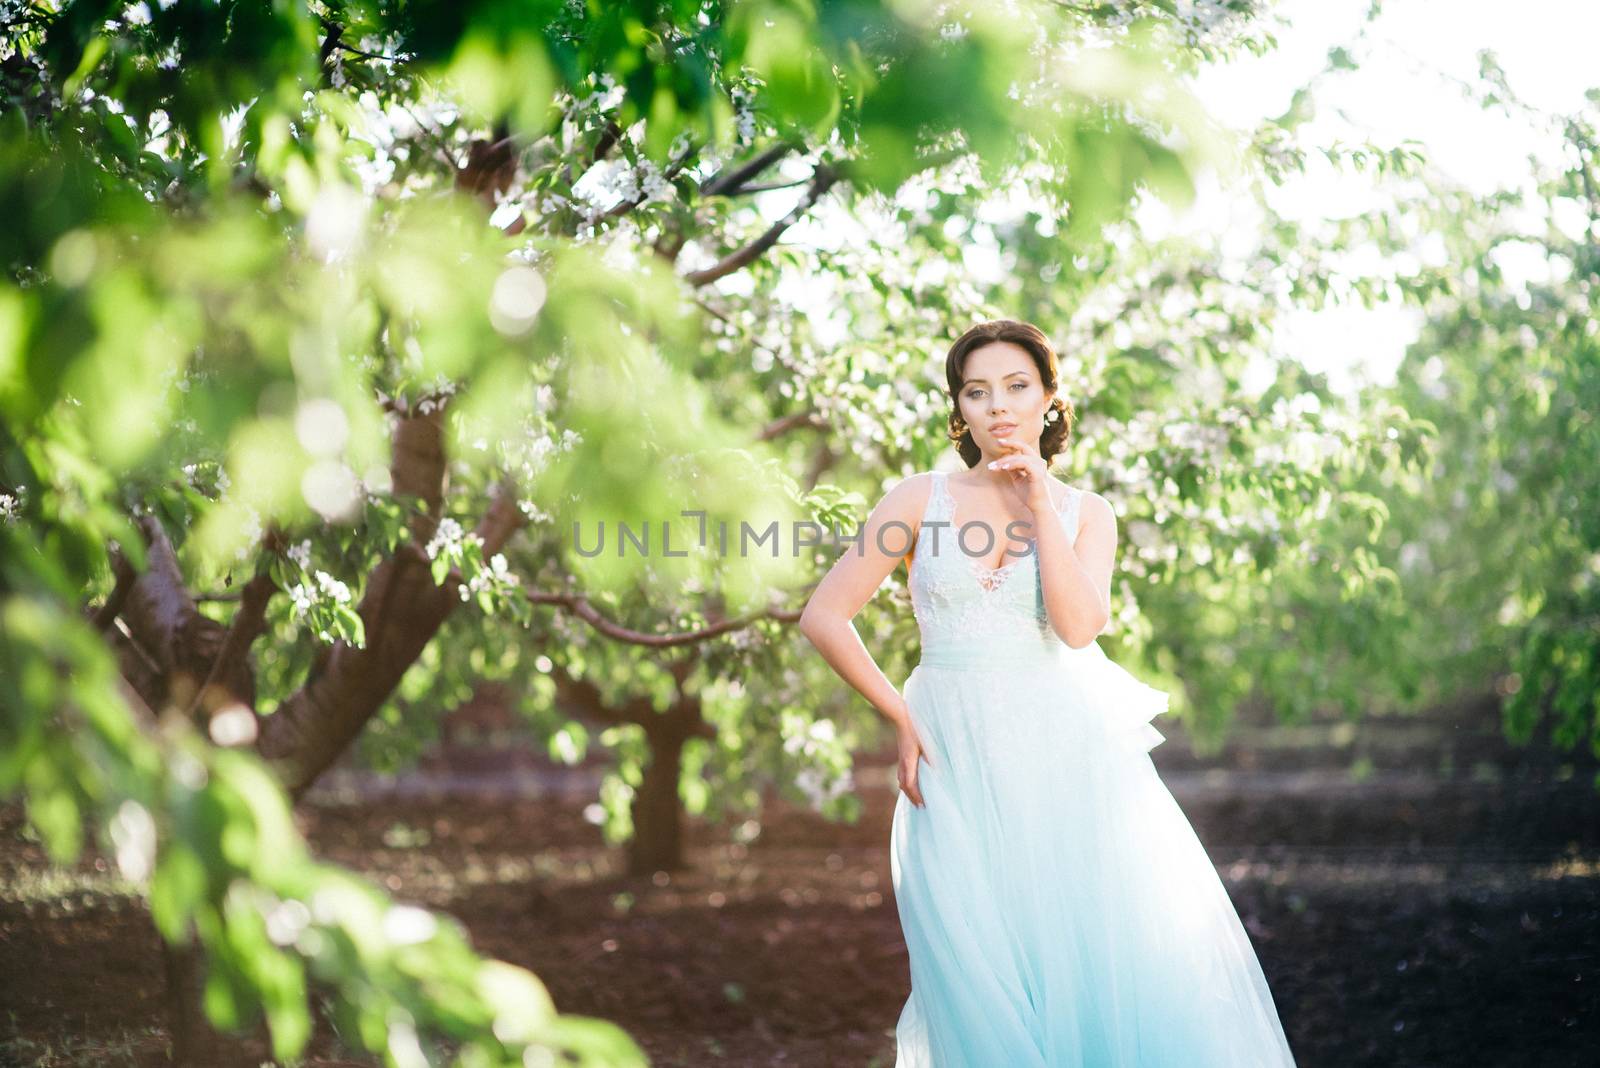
(497, 577)
(819, 790)
(819, 742)
(327, 590)
(432, 395)
(450, 538)
(1198, 22)
(11, 504)
(744, 115)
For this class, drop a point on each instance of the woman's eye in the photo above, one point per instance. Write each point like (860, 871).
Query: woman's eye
(1019, 385)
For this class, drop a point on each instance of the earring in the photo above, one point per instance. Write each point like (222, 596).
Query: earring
(1053, 414)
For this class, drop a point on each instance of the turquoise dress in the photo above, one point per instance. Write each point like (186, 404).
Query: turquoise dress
(1057, 907)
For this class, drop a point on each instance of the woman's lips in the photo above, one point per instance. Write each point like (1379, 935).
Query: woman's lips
(1001, 428)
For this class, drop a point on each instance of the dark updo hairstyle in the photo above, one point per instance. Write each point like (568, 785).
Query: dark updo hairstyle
(1032, 340)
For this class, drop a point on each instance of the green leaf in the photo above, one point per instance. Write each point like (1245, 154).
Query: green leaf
(54, 810)
(222, 1000)
(176, 888)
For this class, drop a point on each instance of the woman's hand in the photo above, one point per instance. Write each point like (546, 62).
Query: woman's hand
(1030, 475)
(911, 749)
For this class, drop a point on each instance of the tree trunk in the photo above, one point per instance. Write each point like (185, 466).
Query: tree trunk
(195, 1044)
(657, 843)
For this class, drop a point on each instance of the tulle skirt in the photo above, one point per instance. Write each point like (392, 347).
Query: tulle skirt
(1057, 906)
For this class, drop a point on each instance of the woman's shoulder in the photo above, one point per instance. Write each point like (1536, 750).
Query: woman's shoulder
(1094, 508)
(918, 483)
(1076, 491)
(1063, 492)
(1088, 501)
(909, 497)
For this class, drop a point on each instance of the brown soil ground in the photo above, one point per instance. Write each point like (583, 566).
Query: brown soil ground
(1446, 918)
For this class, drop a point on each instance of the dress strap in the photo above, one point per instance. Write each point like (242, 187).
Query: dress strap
(1069, 512)
(937, 496)
(940, 503)
(1066, 501)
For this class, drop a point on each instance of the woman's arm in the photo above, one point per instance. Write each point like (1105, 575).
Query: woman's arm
(850, 584)
(1077, 577)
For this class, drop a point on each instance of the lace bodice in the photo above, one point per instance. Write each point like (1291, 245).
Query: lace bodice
(971, 614)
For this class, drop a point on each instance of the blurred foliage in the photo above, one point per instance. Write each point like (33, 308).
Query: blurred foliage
(1496, 541)
(208, 834)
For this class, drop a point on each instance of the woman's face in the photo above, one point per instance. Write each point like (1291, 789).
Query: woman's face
(1002, 386)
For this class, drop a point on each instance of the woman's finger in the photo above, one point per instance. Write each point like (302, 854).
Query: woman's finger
(908, 780)
(1017, 445)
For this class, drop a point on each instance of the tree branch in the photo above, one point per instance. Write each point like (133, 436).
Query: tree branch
(822, 179)
(746, 190)
(418, 466)
(126, 576)
(137, 667)
(580, 606)
(610, 134)
(729, 182)
(491, 166)
(778, 427)
(249, 620)
(167, 649)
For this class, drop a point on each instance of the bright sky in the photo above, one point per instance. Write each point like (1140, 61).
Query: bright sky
(1401, 91)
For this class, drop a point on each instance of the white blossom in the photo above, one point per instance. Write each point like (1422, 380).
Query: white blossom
(608, 96)
(818, 789)
(407, 925)
(744, 118)
(653, 183)
(448, 536)
(333, 587)
(818, 735)
(498, 577)
(301, 599)
(133, 831)
(286, 921)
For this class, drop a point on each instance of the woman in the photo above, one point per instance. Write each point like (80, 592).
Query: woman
(1058, 908)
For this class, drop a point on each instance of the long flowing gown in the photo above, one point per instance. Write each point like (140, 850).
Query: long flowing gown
(1057, 906)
